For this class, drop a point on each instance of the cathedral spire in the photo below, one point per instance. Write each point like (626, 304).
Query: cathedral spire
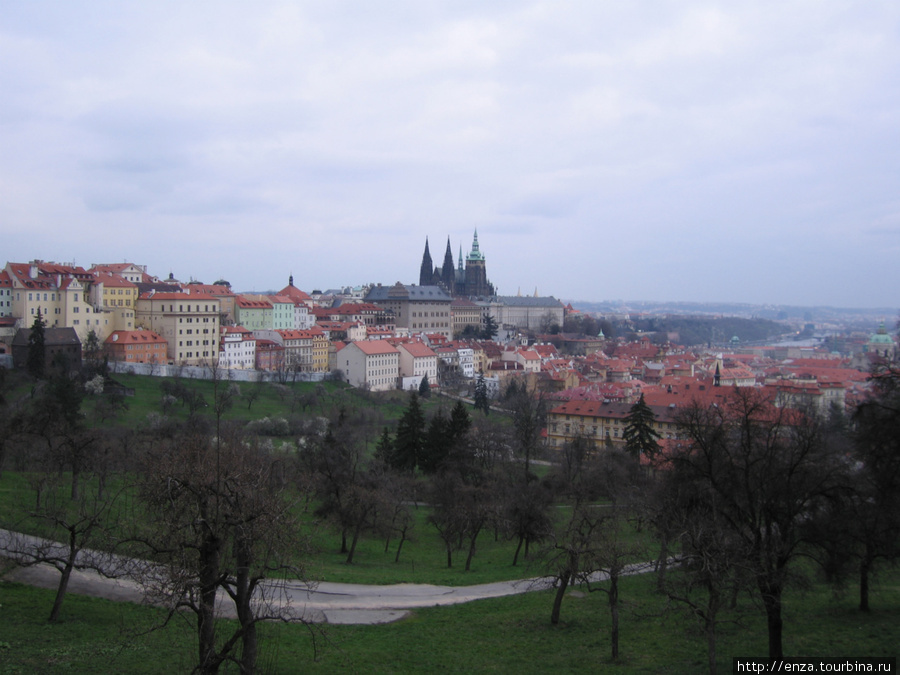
(426, 271)
(476, 253)
(448, 274)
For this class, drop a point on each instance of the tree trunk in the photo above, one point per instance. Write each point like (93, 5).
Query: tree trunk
(76, 476)
(560, 593)
(244, 607)
(449, 556)
(206, 619)
(774, 623)
(711, 645)
(614, 614)
(518, 548)
(65, 575)
(711, 625)
(353, 543)
(864, 567)
(400, 545)
(471, 553)
(662, 564)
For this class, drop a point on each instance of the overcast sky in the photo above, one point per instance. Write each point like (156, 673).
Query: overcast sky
(683, 150)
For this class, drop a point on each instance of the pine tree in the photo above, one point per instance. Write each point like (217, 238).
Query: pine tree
(425, 387)
(460, 422)
(490, 329)
(436, 447)
(37, 350)
(384, 450)
(482, 402)
(410, 436)
(640, 436)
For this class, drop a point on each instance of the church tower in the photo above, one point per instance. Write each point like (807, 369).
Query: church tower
(476, 272)
(460, 286)
(448, 273)
(426, 271)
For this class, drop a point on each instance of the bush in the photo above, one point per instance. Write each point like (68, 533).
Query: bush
(268, 426)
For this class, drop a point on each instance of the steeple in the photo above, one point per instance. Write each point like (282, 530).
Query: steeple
(476, 253)
(448, 274)
(426, 271)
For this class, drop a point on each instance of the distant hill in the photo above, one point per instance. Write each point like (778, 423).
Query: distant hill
(773, 312)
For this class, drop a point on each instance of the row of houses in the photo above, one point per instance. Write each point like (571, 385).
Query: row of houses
(107, 299)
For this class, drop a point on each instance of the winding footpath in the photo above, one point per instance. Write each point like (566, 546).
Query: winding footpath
(316, 602)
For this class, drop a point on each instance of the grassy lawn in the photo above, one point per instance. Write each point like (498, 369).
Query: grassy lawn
(423, 558)
(511, 634)
(501, 635)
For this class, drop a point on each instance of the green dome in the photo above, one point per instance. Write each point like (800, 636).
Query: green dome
(881, 337)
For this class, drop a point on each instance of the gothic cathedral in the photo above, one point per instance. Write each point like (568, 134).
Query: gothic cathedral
(470, 281)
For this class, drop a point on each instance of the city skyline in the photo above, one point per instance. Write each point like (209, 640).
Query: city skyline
(687, 152)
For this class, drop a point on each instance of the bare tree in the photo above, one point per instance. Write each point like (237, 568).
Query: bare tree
(529, 414)
(767, 468)
(526, 514)
(218, 521)
(712, 560)
(73, 534)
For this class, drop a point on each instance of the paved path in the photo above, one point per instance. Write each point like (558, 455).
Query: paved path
(322, 602)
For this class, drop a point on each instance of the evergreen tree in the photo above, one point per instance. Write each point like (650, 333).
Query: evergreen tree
(424, 387)
(93, 354)
(37, 350)
(410, 436)
(445, 439)
(384, 450)
(460, 422)
(436, 447)
(640, 436)
(482, 402)
(490, 329)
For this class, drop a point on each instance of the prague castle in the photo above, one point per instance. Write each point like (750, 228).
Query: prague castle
(458, 281)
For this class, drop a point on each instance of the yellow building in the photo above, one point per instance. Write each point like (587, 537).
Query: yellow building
(601, 422)
(188, 321)
(112, 290)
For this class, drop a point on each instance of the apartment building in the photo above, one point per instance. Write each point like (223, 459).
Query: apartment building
(188, 321)
(253, 312)
(373, 364)
(237, 348)
(418, 309)
(61, 293)
(112, 290)
(601, 422)
(417, 360)
(136, 346)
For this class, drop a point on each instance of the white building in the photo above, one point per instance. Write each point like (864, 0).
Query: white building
(237, 348)
(417, 360)
(373, 364)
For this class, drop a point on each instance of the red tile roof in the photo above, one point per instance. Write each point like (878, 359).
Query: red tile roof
(417, 349)
(375, 347)
(134, 336)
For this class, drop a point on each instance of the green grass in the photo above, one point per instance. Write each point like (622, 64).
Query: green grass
(273, 401)
(501, 635)
(422, 561)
